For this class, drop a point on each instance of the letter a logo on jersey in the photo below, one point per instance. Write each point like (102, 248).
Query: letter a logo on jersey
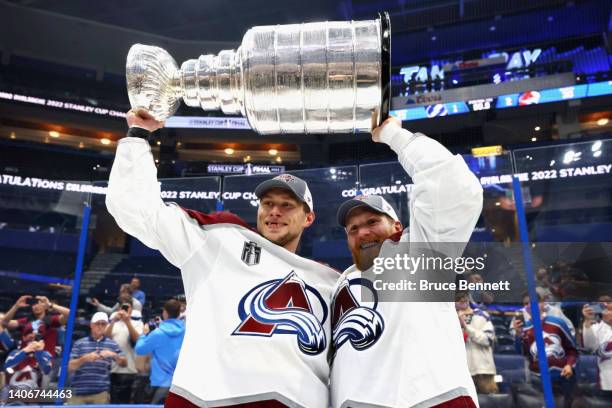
(285, 306)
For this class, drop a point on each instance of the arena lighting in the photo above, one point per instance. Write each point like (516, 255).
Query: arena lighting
(54, 133)
(105, 141)
(272, 152)
(13, 135)
(571, 156)
(247, 158)
(278, 159)
(596, 146)
(537, 128)
(534, 139)
(158, 143)
(603, 121)
(229, 151)
(81, 145)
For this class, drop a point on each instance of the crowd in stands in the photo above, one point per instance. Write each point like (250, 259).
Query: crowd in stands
(119, 356)
(501, 343)
(116, 357)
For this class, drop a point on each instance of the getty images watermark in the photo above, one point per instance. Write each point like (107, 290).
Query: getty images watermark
(435, 272)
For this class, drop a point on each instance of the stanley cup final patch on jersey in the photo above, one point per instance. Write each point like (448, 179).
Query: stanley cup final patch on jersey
(251, 253)
(285, 306)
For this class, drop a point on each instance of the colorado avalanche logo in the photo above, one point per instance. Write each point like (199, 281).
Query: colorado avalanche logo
(283, 306)
(361, 325)
(552, 347)
(604, 352)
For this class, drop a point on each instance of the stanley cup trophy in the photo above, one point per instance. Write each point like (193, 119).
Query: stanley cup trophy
(301, 78)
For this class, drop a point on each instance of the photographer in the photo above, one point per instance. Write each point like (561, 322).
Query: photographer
(125, 327)
(164, 343)
(44, 323)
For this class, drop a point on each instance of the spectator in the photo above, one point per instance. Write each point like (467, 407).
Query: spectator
(6, 345)
(550, 309)
(560, 349)
(597, 337)
(479, 338)
(125, 327)
(91, 360)
(26, 366)
(124, 289)
(164, 343)
(479, 298)
(44, 324)
(136, 292)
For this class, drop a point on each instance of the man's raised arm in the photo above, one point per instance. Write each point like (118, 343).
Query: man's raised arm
(446, 199)
(134, 196)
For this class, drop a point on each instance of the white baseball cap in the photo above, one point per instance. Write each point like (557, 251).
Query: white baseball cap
(99, 317)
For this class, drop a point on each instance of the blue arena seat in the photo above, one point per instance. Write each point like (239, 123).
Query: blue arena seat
(495, 401)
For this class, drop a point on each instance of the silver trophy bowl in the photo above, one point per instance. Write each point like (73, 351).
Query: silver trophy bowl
(323, 77)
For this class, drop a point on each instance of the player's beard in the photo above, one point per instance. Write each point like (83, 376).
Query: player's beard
(364, 258)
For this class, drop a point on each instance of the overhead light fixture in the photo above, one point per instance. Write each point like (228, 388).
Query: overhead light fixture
(229, 151)
(105, 141)
(13, 135)
(534, 139)
(278, 159)
(54, 133)
(603, 121)
(272, 152)
(571, 156)
(537, 128)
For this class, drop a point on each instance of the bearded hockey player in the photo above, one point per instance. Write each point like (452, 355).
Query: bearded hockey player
(404, 354)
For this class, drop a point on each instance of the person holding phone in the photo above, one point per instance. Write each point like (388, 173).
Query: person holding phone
(125, 327)
(597, 337)
(47, 317)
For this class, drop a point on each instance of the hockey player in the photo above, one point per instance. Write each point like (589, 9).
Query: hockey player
(404, 354)
(258, 329)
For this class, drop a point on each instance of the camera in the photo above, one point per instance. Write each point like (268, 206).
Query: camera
(125, 306)
(154, 323)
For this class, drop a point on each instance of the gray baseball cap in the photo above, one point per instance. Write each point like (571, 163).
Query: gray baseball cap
(288, 182)
(376, 203)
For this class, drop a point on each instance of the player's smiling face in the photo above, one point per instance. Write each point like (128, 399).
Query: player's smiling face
(366, 230)
(281, 218)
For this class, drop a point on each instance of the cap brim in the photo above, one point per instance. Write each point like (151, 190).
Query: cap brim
(263, 187)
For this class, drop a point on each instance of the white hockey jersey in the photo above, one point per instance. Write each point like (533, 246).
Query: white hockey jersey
(598, 338)
(415, 355)
(258, 326)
